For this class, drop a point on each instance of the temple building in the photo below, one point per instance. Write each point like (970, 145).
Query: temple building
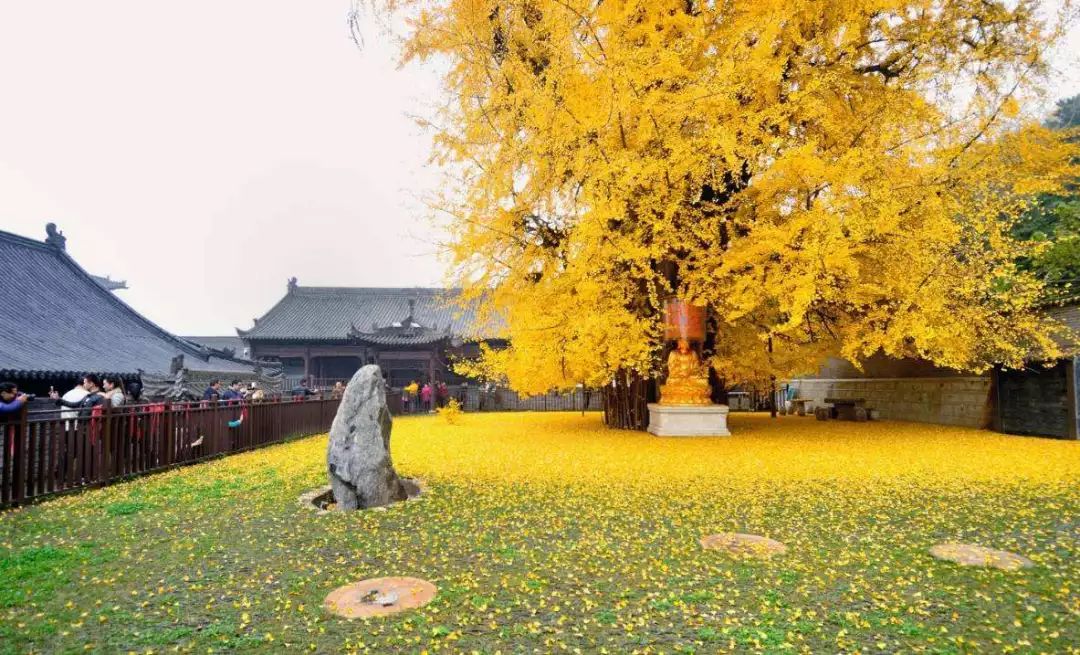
(325, 334)
(59, 323)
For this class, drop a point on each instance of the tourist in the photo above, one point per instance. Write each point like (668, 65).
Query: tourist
(442, 394)
(301, 391)
(425, 396)
(338, 391)
(409, 394)
(91, 404)
(74, 395)
(488, 398)
(213, 392)
(114, 390)
(71, 426)
(233, 392)
(11, 401)
(91, 386)
(134, 391)
(11, 406)
(253, 393)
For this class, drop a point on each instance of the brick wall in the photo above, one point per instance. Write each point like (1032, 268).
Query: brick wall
(946, 400)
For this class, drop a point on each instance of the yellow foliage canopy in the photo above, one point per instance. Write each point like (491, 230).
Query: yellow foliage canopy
(833, 178)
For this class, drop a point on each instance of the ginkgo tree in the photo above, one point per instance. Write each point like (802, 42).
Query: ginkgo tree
(827, 178)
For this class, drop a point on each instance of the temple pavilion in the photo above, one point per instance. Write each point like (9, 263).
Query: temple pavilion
(324, 334)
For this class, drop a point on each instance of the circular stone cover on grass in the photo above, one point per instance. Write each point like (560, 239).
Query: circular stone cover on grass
(379, 597)
(744, 544)
(971, 555)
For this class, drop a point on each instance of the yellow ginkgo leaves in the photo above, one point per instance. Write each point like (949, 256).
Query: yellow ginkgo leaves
(828, 178)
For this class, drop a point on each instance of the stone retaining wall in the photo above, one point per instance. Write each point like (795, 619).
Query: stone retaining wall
(1035, 400)
(949, 401)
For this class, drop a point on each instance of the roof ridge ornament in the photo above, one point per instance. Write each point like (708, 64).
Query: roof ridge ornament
(110, 284)
(291, 285)
(55, 237)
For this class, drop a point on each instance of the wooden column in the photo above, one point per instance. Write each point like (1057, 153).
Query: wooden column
(1072, 430)
(17, 452)
(995, 399)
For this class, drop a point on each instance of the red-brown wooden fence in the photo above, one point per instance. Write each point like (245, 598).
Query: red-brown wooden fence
(43, 453)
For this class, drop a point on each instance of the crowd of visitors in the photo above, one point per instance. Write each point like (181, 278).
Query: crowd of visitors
(427, 397)
(94, 392)
(235, 392)
(103, 427)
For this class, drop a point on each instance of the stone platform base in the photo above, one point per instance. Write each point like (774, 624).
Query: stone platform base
(688, 420)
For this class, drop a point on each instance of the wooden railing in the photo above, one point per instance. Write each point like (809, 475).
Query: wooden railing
(49, 452)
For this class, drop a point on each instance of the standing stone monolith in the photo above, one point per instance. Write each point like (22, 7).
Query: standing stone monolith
(358, 455)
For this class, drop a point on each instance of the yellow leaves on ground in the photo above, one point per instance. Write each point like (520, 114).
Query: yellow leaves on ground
(548, 533)
(566, 448)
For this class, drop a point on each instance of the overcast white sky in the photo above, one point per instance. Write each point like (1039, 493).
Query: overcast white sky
(205, 151)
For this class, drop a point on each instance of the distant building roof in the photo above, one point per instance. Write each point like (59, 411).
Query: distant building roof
(234, 344)
(57, 320)
(1067, 312)
(387, 316)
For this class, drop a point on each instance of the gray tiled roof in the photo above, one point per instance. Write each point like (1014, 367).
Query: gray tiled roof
(331, 313)
(55, 319)
(236, 344)
(1067, 313)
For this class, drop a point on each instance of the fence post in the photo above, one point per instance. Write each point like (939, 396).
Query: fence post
(168, 434)
(17, 453)
(107, 458)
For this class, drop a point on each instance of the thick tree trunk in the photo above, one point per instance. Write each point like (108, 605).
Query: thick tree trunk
(772, 387)
(625, 401)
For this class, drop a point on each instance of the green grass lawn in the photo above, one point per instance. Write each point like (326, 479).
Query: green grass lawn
(548, 533)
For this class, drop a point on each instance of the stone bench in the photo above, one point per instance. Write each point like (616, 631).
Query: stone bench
(844, 409)
(798, 405)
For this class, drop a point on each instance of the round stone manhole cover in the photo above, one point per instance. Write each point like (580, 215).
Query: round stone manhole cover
(743, 544)
(379, 597)
(972, 555)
